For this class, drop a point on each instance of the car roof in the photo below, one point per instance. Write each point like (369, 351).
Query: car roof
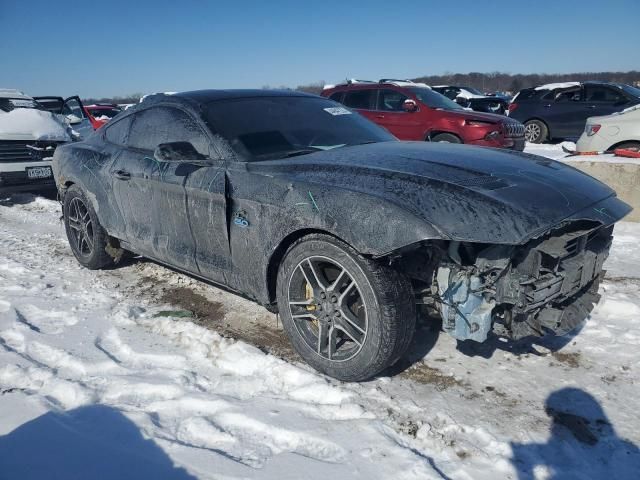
(363, 86)
(206, 96)
(13, 93)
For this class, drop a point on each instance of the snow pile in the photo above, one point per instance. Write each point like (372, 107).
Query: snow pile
(99, 380)
(556, 152)
(32, 124)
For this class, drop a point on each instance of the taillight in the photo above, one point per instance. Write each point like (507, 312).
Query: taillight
(592, 129)
(512, 107)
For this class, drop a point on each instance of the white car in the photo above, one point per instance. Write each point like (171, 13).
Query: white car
(618, 130)
(29, 134)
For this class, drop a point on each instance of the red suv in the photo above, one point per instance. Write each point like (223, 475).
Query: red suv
(101, 113)
(412, 111)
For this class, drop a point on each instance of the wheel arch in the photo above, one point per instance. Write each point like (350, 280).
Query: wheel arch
(546, 124)
(434, 133)
(617, 145)
(280, 251)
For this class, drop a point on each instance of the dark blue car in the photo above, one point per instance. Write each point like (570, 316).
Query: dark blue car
(560, 110)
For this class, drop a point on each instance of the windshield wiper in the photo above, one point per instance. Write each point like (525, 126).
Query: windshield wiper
(302, 151)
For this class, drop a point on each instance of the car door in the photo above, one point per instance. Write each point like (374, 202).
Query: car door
(362, 100)
(603, 100)
(73, 106)
(151, 194)
(391, 115)
(207, 193)
(564, 112)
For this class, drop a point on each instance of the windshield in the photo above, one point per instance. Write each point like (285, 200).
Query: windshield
(99, 113)
(475, 91)
(263, 128)
(630, 90)
(8, 104)
(435, 100)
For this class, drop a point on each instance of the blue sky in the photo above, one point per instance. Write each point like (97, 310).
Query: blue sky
(114, 47)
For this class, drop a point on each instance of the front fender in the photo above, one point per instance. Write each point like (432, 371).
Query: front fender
(369, 224)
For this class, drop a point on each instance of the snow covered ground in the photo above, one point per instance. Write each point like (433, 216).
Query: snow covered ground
(103, 375)
(555, 152)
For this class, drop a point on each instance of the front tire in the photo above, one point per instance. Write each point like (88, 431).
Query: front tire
(535, 131)
(446, 138)
(347, 316)
(88, 240)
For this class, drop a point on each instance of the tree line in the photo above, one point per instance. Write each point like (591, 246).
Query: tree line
(485, 82)
(507, 82)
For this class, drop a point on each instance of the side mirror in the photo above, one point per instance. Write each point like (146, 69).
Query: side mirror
(177, 152)
(73, 119)
(409, 106)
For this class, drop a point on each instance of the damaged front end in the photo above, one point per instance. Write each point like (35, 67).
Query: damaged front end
(549, 285)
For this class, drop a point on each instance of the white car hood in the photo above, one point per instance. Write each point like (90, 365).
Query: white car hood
(31, 124)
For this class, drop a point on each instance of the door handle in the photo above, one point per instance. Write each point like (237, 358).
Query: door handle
(379, 116)
(548, 105)
(122, 175)
(591, 106)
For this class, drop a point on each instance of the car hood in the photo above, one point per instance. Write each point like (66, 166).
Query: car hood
(467, 193)
(31, 124)
(480, 116)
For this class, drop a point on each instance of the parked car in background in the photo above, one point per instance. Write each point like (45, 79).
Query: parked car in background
(618, 130)
(474, 99)
(560, 110)
(413, 111)
(29, 136)
(70, 110)
(312, 210)
(101, 113)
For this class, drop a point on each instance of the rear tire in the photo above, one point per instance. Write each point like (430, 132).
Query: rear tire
(446, 138)
(347, 316)
(89, 242)
(535, 131)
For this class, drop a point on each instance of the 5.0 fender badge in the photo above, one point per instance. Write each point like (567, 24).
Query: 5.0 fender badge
(240, 219)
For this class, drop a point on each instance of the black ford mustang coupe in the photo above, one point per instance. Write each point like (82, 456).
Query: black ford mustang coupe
(311, 210)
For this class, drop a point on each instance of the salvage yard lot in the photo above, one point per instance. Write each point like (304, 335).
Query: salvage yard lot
(195, 382)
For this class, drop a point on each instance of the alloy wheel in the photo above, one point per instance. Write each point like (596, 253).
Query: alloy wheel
(80, 227)
(327, 308)
(532, 132)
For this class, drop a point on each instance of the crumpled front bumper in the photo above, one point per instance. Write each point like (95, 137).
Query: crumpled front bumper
(547, 286)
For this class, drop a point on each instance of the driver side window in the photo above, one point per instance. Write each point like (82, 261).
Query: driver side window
(568, 96)
(157, 125)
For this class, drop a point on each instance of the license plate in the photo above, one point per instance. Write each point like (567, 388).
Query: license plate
(39, 172)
